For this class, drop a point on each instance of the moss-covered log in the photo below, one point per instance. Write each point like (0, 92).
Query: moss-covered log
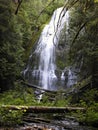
(43, 109)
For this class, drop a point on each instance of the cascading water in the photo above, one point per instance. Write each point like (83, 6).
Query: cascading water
(46, 48)
(72, 78)
(45, 70)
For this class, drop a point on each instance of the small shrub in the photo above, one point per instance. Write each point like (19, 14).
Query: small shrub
(10, 117)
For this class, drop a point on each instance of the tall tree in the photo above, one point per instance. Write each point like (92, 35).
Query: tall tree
(11, 50)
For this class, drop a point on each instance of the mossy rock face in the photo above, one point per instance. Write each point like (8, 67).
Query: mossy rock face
(62, 61)
(62, 56)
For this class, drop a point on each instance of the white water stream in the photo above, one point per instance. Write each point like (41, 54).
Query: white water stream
(46, 48)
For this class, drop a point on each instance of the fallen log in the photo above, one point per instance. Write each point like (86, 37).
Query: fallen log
(38, 87)
(44, 109)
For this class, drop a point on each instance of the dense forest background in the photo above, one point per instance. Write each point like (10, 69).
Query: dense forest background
(20, 31)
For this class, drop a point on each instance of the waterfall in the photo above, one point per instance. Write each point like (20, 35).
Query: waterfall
(46, 50)
(72, 78)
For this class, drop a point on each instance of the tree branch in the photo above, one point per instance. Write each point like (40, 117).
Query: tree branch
(19, 3)
(81, 27)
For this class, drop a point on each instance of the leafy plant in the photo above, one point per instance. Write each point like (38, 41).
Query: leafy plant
(92, 115)
(10, 117)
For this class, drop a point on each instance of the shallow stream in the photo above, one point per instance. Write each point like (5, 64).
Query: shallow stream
(50, 124)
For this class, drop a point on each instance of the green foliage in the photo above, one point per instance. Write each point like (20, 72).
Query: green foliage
(61, 103)
(60, 64)
(11, 50)
(92, 115)
(10, 117)
(83, 38)
(90, 96)
(26, 96)
(61, 100)
(17, 97)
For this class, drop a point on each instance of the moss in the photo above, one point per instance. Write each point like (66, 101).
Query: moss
(60, 64)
